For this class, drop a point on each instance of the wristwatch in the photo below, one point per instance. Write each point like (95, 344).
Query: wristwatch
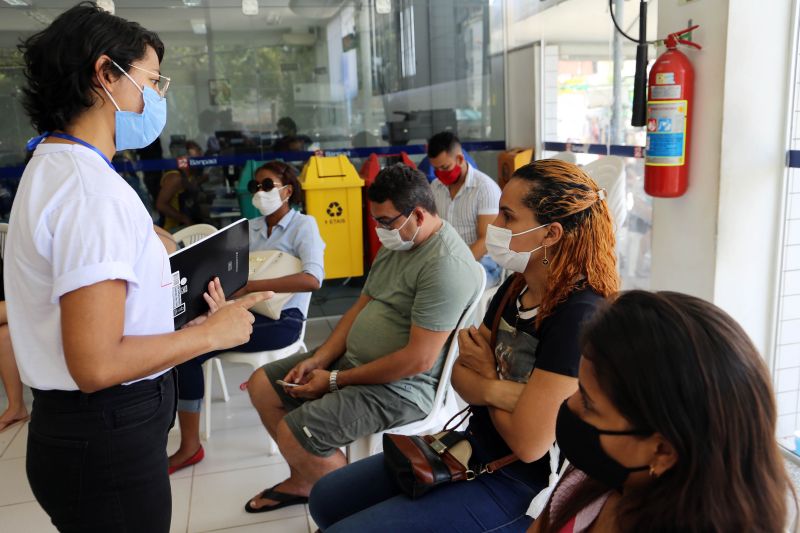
(332, 386)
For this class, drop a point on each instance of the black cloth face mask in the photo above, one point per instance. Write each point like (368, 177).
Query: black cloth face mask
(579, 441)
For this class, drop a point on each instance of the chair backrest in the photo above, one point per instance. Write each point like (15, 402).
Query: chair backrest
(192, 234)
(609, 173)
(452, 354)
(3, 234)
(569, 157)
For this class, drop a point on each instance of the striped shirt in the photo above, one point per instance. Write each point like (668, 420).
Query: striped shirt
(479, 195)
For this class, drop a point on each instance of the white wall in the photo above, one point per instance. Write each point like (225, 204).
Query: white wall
(719, 241)
(684, 229)
(753, 164)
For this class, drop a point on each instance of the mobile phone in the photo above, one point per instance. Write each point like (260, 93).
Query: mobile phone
(281, 382)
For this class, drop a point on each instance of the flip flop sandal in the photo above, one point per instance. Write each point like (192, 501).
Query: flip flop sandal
(283, 499)
(14, 423)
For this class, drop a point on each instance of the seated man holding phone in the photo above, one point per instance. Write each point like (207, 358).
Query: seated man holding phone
(381, 364)
(282, 229)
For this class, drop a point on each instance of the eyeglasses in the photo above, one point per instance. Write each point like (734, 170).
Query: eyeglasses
(388, 223)
(161, 85)
(267, 185)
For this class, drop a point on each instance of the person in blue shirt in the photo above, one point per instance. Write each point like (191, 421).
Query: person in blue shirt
(275, 188)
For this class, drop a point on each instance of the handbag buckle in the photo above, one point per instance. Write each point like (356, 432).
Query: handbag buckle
(438, 446)
(470, 475)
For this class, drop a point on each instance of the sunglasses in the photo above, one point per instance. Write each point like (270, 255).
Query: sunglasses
(267, 185)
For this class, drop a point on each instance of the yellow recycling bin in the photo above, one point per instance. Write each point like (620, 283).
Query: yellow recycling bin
(333, 198)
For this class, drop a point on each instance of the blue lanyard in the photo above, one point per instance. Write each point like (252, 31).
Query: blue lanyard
(33, 143)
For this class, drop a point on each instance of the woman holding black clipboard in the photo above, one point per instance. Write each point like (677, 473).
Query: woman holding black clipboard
(90, 309)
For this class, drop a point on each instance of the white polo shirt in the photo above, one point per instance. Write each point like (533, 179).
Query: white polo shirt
(479, 195)
(75, 222)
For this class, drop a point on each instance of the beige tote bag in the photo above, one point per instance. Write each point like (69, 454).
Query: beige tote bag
(272, 264)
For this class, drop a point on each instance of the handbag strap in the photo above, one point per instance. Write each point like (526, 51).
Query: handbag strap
(499, 463)
(514, 289)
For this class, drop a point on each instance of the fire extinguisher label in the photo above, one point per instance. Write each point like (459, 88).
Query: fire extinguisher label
(665, 92)
(666, 133)
(665, 78)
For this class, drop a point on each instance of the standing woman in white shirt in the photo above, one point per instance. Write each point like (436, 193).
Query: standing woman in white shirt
(90, 306)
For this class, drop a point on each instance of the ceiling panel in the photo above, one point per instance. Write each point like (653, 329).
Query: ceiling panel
(167, 15)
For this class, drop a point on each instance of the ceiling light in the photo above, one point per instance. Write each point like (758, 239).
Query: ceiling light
(192, 3)
(250, 7)
(315, 9)
(198, 26)
(18, 3)
(106, 5)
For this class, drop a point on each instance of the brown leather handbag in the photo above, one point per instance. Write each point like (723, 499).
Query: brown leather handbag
(420, 463)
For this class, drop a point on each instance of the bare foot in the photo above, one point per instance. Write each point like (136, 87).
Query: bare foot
(13, 415)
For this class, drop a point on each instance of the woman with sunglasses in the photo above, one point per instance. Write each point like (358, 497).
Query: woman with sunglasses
(275, 189)
(90, 309)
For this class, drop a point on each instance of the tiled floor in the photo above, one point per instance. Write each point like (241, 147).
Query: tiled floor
(209, 496)
(335, 297)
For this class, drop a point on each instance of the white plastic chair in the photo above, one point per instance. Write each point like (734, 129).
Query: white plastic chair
(569, 157)
(255, 360)
(185, 237)
(192, 234)
(609, 173)
(444, 403)
(3, 234)
(483, 304)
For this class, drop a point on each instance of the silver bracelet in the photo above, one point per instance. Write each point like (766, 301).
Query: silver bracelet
(332, 386)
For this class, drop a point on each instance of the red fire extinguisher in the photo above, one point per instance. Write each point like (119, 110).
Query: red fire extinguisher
(669, 119)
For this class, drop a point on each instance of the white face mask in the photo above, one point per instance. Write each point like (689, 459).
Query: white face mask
(392, 240)
(497, 244)
(270, 201)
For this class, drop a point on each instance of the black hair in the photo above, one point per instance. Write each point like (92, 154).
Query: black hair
(288, 123)
(288, 176)
(445, 141)
(682, 367)
(60, 62)
(406, 187)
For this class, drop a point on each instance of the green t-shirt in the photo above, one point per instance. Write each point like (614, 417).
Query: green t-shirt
(429, 287)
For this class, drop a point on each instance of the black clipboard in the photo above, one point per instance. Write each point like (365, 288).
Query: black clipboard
(223, 254)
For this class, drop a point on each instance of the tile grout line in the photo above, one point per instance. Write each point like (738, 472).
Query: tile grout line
(191, 491)
(17, 503)
(13, 437)
(254, 524)
(238, 469)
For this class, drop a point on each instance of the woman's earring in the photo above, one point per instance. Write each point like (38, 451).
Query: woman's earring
(545, 261)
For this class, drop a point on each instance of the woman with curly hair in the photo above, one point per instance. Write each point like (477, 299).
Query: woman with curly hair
(555, 232)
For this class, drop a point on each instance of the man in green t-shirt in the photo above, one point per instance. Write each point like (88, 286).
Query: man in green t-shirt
(381, 365)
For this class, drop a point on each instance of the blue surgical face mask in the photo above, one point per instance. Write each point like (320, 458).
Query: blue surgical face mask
(135, 130)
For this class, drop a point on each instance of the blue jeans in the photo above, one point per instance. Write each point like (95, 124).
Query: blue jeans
(362, 497)
(267, 334)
